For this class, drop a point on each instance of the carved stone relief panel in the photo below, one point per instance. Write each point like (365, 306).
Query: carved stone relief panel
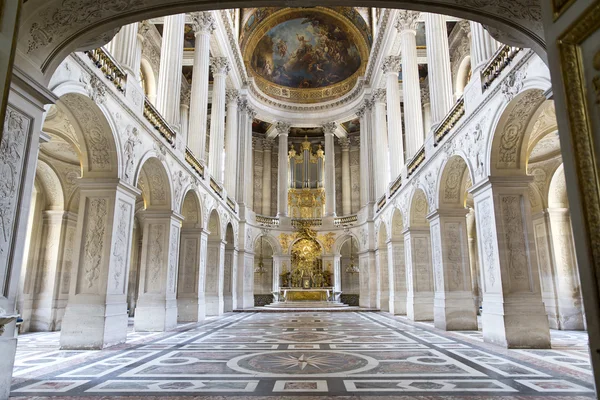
(543, 255)
(92, 257)
(487, 245)
(120, 250)
(454, 259)
(436, 248)
(227, 273)
(189, 261)
(399, 267)
(12, 157)
(514, 235)
(173, 259)
(67, 260)
(212, 270)
(156, 243)
(422, 262)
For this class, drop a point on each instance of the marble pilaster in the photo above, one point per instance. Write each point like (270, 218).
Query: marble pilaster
(453, 300)
(406, 24)
(513, 312)
(169, 76)
(397, 276)
(203, 24)
(367, 187)
(190, 278)
(383, 282)
(419, 274)
(96, 314)
(220, 67)
(157, 300)
(380, 144)
(215, 268)
(391, 68)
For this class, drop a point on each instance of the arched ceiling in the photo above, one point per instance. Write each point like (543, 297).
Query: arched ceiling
(306, 55)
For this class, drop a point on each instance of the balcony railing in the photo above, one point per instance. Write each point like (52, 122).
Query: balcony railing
(497, 64)
(395, 186)
(216, 187)
(348, 220)
(109, 67)
(416, 161)
(231, 203)
(455, 114)
(381, 203)
(193, 161)
(296, 223)
(158, 122)
(270, 222)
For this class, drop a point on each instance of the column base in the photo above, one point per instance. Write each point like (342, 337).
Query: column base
(156, 317)
(214, 305)
(8, 349)
(570, 316)
(47, 319)
(93, 326)
(227, 303)
(398, 306)
(454, 311)
(190, 309)
(419, 306)
(516, 322)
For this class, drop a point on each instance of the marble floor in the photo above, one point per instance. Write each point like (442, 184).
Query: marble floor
(352, 355)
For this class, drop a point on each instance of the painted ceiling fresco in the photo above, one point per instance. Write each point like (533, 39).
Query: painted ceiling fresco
(305, 55)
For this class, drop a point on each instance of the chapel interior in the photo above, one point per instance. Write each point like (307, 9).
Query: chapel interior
(293, 201)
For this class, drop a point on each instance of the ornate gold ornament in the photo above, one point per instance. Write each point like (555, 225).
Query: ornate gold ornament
(285, 240)
(327, 240)
(560, 6)
(581, 132)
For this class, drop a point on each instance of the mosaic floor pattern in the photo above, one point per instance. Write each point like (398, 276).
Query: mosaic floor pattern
(285, 355)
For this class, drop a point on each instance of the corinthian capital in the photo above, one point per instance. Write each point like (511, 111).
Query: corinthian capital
(283, 128)
(364, 108)
(232, 95)
(407, 20)
(391, 64)
(329, 128)
(219, 65)
(203, 22)
(379, 95)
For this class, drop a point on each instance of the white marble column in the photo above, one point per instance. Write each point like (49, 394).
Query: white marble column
(125, 49)
(453, 301)
(328, 130)
(266, 178)
(391, 67)
(419, 274)
(169, 76)
(406, 24)
(513, 312)
(220, 67)
(483, 46)
(380, 144)
(425, 101)
(184, 110)
(232, 97)
(367, 186)
(190, 278)
(346, 184)
(96, 314)
(203, 24)
(438, 67)
(157, 300)
(245, 164)
(283, 129)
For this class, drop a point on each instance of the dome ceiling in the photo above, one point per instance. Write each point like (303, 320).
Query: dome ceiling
(306, 55)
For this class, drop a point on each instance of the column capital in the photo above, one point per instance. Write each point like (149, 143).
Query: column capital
(329, 128)
(185, 97)
(203, 22)
(219, 65)
(344, 143)
(366, 106)
(283, 128)
(379, 96)
(391, 64)
(143, 29)
(268, 144)
(425, 94)
(407, 20)
(232, 96)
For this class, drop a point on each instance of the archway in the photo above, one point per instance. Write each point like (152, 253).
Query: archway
(419, 269)
(263, 272)
(381, 258)
(350, 278)
(190, 294)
